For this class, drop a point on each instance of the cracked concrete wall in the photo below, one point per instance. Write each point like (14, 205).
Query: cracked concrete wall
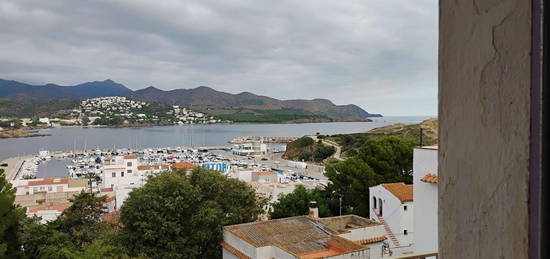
(484, 83)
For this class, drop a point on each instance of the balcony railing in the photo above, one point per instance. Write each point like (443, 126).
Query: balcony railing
(415, 256)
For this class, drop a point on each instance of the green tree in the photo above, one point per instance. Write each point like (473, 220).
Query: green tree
(85, 121)
(391, 157)
(10, 217)
(82, 220)
(350, 180)
(175, 215)
(43, 240)
(297, 202)
(322, 152)
(77, 233)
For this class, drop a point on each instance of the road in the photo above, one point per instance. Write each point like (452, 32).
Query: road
(14, 164)
(338, 154)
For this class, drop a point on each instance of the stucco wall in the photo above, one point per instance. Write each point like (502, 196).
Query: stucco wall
(484, 81)
(425, 201)
(392, 212)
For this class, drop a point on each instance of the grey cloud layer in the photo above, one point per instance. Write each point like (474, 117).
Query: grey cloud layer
(380, 55)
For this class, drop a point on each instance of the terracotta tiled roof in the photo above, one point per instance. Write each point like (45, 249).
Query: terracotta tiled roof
(371, 240)
(184, 165)
(52, 207)
(130, 157)
(234, 251)
(49, 181)
(429, 178)
(106, 189)
(110, 199)
(154, 167)
(404, 192)
(297, 235)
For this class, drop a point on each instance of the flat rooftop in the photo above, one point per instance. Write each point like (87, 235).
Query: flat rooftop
(299, 236)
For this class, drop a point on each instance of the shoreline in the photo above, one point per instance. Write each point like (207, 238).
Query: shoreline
(33, 132)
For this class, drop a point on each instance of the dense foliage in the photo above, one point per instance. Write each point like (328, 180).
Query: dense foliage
(351, 143)
(378, 161)
(174, 215)
(179, 216)
(10, 220)
(17, 109)
(297, 202)
(305, 149)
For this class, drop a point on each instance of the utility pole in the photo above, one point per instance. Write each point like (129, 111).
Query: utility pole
(421, 134)
(340, 205)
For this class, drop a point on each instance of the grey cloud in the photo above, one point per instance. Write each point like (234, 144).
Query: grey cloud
(367, 52)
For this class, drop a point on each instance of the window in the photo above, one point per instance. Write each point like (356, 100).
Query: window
(35, 189)
(405, 208)
(114, 174)
(405, 232)
(49, 188)
(122, 174)
(129, 171)
(129, 164)
(42, 188)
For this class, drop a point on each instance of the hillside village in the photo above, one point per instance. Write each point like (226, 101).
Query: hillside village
(108, 111)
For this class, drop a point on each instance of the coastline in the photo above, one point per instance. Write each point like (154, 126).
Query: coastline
(33, 132)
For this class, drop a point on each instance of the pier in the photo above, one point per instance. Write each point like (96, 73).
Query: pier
(269, 139)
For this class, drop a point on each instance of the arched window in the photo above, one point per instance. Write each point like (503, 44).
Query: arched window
(380, 206)
(374, 202)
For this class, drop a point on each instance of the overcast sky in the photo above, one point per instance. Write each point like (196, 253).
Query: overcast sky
(378, 54)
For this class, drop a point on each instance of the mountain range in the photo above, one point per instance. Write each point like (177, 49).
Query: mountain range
(200, 98)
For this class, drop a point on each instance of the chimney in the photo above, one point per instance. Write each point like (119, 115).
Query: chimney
(313, 210)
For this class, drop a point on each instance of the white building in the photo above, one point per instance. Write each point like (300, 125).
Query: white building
(121, 171)
(425, 180)
(47, 213)
(392, 205)
(48, 185)
(44, 120)
(305, 237)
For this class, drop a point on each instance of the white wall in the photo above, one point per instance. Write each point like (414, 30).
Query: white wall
(46, 215)
(239, 244)
(425, 200)
(364, 254)
(391, 208)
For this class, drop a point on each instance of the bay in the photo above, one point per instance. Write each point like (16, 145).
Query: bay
(78, 138)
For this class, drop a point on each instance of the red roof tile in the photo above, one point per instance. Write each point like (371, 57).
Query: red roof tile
(371, 240)
(130, 157)
(429, 178)
(404, 192)
(49, 181)
(154, 167)
(106, 190)
(183, 165)
(110, 199)
(52, 207)
(234, 251)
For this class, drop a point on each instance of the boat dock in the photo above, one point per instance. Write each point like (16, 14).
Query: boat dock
(14, 166)
(264, 139)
